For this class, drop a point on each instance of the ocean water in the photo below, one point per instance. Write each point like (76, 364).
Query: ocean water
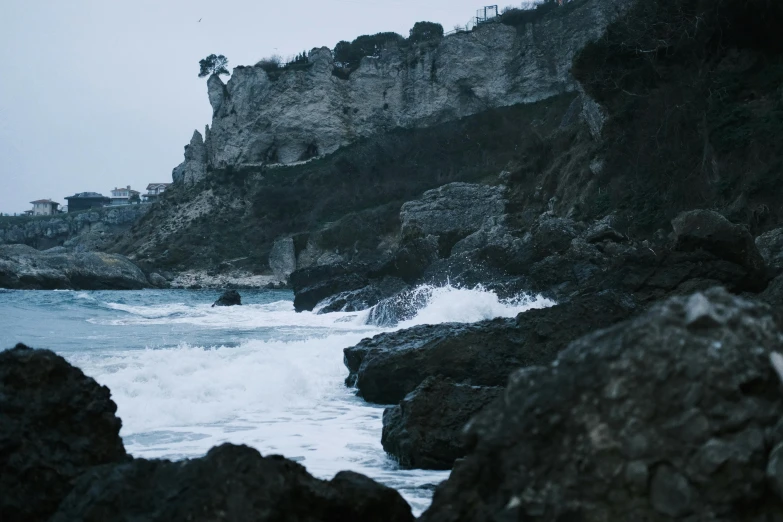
(186, 376)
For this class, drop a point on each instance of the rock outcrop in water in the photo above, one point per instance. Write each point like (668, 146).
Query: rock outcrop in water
(55, 423)
(24, 267)
(229, 298)
(673, 415)
(425, 429)
(229, 483)
(390, 365)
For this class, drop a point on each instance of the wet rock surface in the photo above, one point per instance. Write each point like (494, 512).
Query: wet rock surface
(425, 429)
(229, 298)
(24, 267)
(55, 422)
(391, 365)
(229, 483)
(674, 414)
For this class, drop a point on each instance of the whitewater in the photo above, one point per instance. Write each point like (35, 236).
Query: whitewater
(187, 376)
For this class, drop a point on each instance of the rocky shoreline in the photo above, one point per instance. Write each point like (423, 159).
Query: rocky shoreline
(671, 414)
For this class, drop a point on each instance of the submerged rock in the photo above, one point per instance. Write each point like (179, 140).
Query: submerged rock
(55, 423)
(425, 429)
(24, 267)
(673, 414)
(229, 483)
(391, 365)
(229, 298)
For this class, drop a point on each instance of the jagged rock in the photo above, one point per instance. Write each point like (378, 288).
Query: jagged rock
(158, 280)
(229, 298)
(669, 415)
(285, 118)
(391, 365)
(24, 267)
(773, 294)
(55, 423)
(710, 231)
(425, 429)
(313, 285)
(770, 246)
(364, 298)
(282, 258)
(194, 168)
(455, 209)
(410, 260)
(229, 483)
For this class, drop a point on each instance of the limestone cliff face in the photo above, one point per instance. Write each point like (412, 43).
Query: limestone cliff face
(89, 230)
(297, 115)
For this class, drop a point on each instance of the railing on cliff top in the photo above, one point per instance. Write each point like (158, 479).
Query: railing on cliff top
(490, 13)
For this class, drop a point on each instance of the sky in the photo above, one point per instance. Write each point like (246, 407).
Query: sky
(96, 94)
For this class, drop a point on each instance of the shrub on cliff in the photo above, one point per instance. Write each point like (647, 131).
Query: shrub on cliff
(270, 64)
(213, 64)
(348, 55)
(423, 31)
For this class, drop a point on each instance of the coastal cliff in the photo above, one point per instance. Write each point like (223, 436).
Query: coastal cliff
(264, 118)
(89, 230)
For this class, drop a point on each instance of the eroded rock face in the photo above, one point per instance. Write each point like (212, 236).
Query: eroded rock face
(390, 365)
(194, 168)
(24, 267)
(282, 258)
(770, 246)
(669, 415)
(229, 483)
(55, 422)
(258, 119)
(425, 429)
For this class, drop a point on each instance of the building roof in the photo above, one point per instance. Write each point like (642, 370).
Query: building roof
(86, 195)
(157, 185)
(44, 201)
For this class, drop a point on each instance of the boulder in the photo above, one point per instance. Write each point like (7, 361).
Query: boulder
(672, 415)
(282, 258)
(55, 423)
(770, 246)
(425, 429)
(710, 231)
(455, 209)
(229, 483)
(158, 280)
(390, 365)
(354, 300)
(313, 285)
(24, 267)
(229, 298)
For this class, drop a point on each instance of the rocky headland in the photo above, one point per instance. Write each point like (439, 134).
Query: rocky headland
(619, 160)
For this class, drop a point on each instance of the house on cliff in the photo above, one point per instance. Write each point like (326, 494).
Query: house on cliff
(124, 196)
(86, 200)
(154, 190)
(43, 207)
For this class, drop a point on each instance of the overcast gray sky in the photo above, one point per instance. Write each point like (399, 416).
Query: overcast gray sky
(102, 93)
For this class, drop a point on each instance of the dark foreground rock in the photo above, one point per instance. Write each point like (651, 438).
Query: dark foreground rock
(55, 422)
(229, 298)
(710, 231)
(673, 415)
(24, 267)
(313, 285)
(425, 429)
(391, 365)
(229, 483)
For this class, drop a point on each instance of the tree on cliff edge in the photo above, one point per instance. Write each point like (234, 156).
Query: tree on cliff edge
(213, 64)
